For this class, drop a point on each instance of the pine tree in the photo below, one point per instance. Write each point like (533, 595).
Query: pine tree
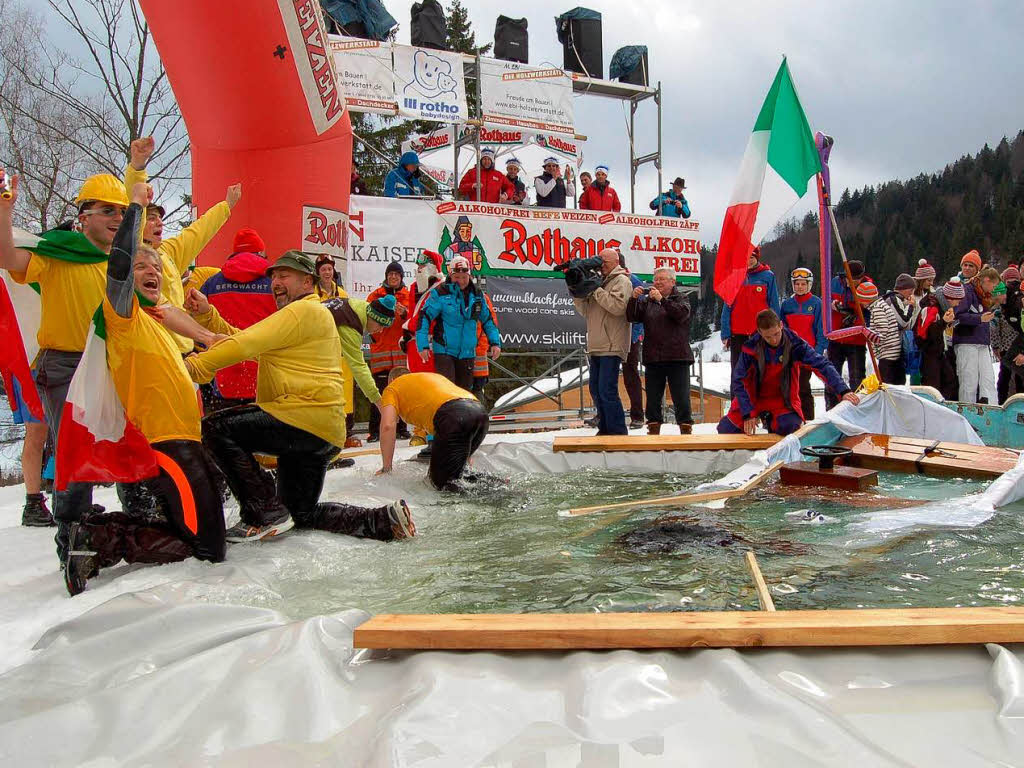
(461, 37)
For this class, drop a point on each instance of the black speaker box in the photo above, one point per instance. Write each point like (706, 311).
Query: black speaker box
(511, 40)
(429, 26)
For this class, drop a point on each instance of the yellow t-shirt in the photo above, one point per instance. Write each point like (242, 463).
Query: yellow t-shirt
(199, 276)
(70, 292)
(417, 396)
(150, 377)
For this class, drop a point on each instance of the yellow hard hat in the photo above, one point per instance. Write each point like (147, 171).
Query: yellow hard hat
(102, 188)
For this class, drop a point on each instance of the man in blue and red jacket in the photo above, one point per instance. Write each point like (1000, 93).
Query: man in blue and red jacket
(758, 292)
(765, 382)
(801, 313)
(850, 350)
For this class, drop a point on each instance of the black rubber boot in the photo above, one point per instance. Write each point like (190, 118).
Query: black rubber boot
(81, 562)
(35, 513)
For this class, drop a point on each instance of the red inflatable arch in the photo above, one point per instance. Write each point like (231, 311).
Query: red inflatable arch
(257, 88)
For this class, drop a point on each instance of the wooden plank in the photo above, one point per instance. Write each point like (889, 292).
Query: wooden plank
(846, 478)
(594, 443)
(764, 596)
(945, 459)
(704, 629)
(677, 501)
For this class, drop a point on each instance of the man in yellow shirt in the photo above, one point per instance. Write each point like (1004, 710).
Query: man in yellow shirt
(298, 415)
(179, 252)
(456, 419)
(159, 400)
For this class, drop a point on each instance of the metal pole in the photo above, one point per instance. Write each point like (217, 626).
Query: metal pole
(853, 290)
(657, 99)
(632, 157)
(480, 117)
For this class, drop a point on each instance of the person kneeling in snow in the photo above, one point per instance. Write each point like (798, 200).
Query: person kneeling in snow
(160, 402)
(766, 379)
(456, 419)
(299, 415)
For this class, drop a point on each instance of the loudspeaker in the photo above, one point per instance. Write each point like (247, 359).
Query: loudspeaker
(579, 31)
(429, 27)
(629, 65)
(511, 40)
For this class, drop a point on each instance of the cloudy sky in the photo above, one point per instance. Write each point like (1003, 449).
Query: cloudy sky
(904, 86)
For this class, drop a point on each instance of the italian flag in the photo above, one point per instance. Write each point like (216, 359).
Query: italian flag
(97, 443)
(778, 165)
(19, 322)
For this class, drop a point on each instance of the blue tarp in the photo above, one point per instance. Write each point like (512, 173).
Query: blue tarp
(562, 22)
(626, 60)
(371, 13)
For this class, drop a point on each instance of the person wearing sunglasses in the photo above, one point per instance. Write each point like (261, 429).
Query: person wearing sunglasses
(553, 190)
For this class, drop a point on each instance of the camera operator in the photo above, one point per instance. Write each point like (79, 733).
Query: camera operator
(404, 180)
(608, 337)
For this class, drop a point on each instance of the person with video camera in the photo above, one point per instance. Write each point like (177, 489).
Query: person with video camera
(600, 293)
(404, 180)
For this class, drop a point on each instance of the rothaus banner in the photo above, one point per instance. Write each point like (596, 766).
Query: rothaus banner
(365, 74)
(429, 84)
(510, 241)
(536, 313)
(532, 99)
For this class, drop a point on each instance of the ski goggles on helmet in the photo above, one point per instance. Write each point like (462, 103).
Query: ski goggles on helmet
(802, 273)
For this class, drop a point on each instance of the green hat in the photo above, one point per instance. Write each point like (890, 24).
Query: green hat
(999, 290)
(382, 310)
(297, 260)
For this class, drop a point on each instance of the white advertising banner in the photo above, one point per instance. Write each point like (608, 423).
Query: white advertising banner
(365, 74)
(429, 84)
(529, 98)
(509, 240)
(427, 143)
(325, 231)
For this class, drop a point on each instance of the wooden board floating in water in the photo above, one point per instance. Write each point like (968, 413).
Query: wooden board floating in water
(927, 457)
(664, 443)
(704, 629)
(845, 478)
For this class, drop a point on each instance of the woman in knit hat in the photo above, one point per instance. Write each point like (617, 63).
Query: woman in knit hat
(972, 339)
(930, 336)
(890, 317)
(970, 266)
(924, 280)
(326, 278)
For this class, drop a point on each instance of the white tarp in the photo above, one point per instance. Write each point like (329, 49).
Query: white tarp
(529, 98)
(429, 84)
(365, 73)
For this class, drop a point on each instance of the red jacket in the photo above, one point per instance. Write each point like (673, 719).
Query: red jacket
(385, 351)
(492, 183)
(241, 294)
(595, 198)
(415, 304)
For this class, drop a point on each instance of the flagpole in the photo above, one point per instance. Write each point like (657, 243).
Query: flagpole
(824, 144)
(858, 310)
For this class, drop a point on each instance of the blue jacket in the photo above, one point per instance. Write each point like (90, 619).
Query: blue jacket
(637, 332)
(757, 292)
(667, 202)
(399, 182)
(803, 316)
(456, 316)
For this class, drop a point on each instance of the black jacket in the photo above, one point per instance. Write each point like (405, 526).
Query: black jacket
(666, 326)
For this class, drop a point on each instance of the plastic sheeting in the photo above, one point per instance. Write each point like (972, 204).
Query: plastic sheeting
(155, 679)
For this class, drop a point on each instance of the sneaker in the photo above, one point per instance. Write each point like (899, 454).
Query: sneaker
(402, 525)
(353, 442)
(241, 532)
(81, 564)
(374, 438)
(343, 463)
(636, 423)
(416, 441)
(35, 513)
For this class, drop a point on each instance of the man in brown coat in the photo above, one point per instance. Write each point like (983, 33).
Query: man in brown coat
(608, 337)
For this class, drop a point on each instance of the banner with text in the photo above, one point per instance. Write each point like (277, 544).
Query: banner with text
(509, 241)
(365, 74)
(536, 313)
(529, 98)
(429, 84)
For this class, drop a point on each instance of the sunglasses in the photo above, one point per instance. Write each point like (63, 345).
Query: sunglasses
(460, 269)
(106, 210)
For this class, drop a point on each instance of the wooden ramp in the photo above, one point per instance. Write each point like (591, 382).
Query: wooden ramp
(927, 457)
(664, 443)
(547, 631)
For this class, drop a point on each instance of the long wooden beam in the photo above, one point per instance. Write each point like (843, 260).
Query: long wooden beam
(764, 595)
(593, 443)
(702, 629)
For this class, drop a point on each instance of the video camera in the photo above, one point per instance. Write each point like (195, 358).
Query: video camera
(582, 276)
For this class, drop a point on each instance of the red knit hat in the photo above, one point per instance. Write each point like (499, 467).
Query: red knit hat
(867, 291)
(972, 256)
(925, 271)
(1010, 273)
(248, 240)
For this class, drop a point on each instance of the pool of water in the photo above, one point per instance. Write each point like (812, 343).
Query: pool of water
(502, 547)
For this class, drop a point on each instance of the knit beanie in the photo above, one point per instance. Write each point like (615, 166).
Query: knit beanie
(867, 291)
(382, 310)
(856, 269)
(248, 240)
(1010, 274)
(953, 289)
(999, 290)
(925, 271)
(904, 281)
(973, 257)
(394, 266)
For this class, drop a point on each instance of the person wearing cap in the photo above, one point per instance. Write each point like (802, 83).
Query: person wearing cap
(849, 351)
(431, 402)
(933, 320)
(494, 185)
(802, 314)
(159, 401)
(891, 316)
(518, 196)
(386, 346)
(241, 294)
(765, 382)
(972, 339)
(759, 291)
(429, 274)
(970, 266)
(458, 310)
(326, 277)
(404, 179)
(177, 252)
(672, 203)
(600, 195)
(299, 411)
(552, 190)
